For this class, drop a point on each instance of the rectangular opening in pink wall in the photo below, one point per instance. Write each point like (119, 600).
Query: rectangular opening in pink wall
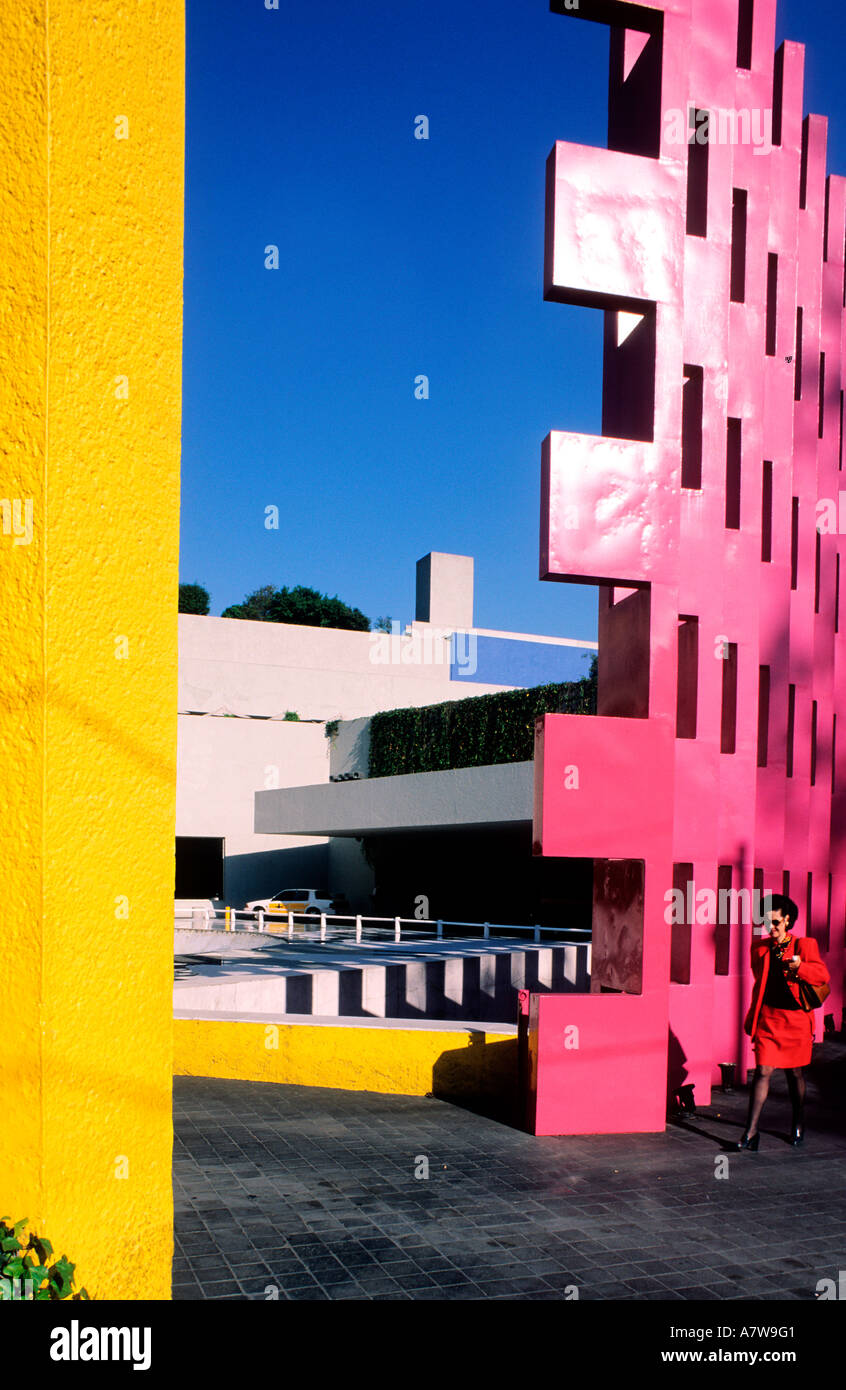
(617, 936)
(728, 714)
(687, 683)
(745, 22)
(738, 244)
(697, 173)
(734, 436)
(680, 939)
(692, 406)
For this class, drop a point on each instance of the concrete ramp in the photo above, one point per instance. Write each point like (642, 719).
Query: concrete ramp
(453, 980)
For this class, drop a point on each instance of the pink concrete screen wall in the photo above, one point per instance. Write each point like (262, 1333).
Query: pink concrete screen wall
(712, 494)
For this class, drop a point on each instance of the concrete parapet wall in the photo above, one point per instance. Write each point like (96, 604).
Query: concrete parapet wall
(351, 1054)
(256, 668)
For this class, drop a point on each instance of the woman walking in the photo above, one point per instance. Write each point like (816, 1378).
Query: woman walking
(782, 1032)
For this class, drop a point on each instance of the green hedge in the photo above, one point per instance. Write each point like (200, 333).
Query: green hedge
(475, 732)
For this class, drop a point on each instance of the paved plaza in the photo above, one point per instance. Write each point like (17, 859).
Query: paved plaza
(297, 1193)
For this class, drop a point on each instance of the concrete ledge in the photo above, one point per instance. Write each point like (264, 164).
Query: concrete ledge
(500, 794)
(305, 1020)
(396, 1057)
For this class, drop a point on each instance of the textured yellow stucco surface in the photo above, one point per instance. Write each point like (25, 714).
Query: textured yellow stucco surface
(400, 1061)
(91, 210)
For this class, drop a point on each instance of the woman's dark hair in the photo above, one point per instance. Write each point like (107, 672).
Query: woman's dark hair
(779, 902)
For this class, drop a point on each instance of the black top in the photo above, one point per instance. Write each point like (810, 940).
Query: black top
(777, 995)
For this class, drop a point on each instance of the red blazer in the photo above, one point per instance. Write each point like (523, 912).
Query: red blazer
(810, 969)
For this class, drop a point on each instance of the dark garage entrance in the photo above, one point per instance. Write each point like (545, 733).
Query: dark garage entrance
(199, 866)
(487, 875)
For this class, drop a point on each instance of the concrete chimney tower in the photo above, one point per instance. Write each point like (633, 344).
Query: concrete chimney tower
(445, 590)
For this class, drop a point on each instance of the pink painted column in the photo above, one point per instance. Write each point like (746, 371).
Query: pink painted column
(718, 262)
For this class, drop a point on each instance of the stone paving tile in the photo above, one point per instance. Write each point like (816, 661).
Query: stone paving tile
(216, 1287)
(646, 1285)
(313, 1192)
(381, 1285)
(606, 1290)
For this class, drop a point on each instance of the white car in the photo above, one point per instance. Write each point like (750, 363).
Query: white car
(311, 901)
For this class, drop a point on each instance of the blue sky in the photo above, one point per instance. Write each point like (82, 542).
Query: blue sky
(397, 256)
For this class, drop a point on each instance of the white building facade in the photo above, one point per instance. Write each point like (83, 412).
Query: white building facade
(238, 680)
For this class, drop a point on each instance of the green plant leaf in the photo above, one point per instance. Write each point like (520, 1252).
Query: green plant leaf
(42, 1248)
(61, 1274)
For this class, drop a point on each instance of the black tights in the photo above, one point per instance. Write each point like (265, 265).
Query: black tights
(760, 1091)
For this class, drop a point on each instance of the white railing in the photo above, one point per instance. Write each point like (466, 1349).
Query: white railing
(232, 919)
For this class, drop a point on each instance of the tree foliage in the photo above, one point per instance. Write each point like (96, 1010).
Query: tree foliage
(298, 605)
(193, 598)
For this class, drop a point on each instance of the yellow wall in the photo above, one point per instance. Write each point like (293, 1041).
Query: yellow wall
(91, 285)
(402, 1061)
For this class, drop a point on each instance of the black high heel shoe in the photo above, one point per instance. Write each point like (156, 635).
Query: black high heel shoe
(797, 1136)
(748, 1143)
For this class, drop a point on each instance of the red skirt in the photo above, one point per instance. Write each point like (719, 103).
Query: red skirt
(783, 1037)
